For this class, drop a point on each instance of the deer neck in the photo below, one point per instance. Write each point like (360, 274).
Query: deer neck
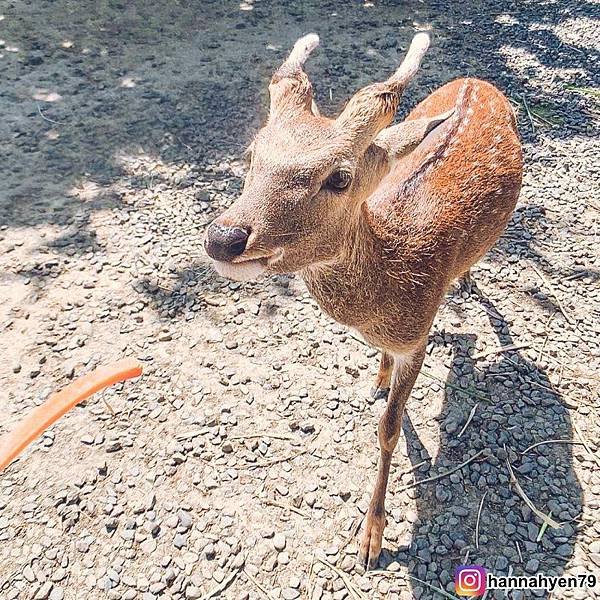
(345, 286)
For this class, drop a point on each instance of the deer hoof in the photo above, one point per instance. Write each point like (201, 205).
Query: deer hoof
(380, 393)
(370, 544)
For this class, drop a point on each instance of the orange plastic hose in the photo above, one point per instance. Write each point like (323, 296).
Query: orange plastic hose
(41, 417)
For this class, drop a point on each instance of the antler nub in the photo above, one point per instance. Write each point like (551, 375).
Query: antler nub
(290, 88)
(302, 49)
(410, 65)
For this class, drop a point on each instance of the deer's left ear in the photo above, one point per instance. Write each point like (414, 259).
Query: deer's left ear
(290, 88)
(403, 138)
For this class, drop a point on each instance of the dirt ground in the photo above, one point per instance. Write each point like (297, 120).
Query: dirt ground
(244, 457)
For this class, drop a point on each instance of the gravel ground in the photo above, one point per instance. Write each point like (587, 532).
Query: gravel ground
(246, 453)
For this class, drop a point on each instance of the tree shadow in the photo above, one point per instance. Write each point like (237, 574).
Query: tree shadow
(523, 410)
(186, 84)
(117, 97)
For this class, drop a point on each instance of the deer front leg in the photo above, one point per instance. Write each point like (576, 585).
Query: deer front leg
(405, 371)
(382, 383)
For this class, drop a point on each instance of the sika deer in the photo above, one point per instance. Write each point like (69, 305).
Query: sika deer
(378, 220)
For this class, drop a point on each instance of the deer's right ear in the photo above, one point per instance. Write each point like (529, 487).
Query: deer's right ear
(373, 107)
(403, 138)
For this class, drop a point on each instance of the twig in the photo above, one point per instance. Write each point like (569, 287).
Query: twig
(585, 444)
(184, 144)
(261, 435)
(478, 519)
(545, 518)
(560, 376)
(579, 273)
(471, 415)
(275, 461)
(546, 325)
(541, 352)
(532, 381)
(47, 118)
(180, 437)
(309, 586)
(541, 385)
(436, 477)
(536, 115)
(519, 550)
(568, 318)
(260, 587)
(354, 592)
(222, 586)
(285, 507)
(492, 313)
(578, 372)
(500, 350)
(358, 339)
(109, 407)
(551, 442)
(434, 588)
(559, 557)
(414, 467)
(528, 113)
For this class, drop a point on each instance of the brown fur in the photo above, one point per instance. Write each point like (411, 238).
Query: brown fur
(380, 255)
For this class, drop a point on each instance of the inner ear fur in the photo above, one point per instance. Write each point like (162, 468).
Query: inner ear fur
(401, 139)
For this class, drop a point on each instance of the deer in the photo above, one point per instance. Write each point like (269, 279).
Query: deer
(378, 219)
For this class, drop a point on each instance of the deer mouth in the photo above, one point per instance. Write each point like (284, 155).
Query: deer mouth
(247, 269)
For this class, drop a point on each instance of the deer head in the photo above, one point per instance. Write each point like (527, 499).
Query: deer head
(309, 174)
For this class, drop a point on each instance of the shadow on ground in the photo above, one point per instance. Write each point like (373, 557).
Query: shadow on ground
(190, 86)
(186, 85)
(523, 410)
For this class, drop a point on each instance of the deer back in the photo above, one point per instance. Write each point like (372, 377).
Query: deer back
(453, 195)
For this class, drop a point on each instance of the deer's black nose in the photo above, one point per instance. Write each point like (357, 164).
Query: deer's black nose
(224, 243)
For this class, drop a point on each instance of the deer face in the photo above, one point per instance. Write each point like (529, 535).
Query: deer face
(309, 174)
(304, 184)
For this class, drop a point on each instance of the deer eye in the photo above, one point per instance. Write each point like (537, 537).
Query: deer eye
(338, 180)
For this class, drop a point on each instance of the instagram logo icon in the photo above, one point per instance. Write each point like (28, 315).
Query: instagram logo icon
(470, 580)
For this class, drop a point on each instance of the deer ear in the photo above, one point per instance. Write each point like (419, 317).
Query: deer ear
(403, 138)
(290, 88)
(373, 107)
